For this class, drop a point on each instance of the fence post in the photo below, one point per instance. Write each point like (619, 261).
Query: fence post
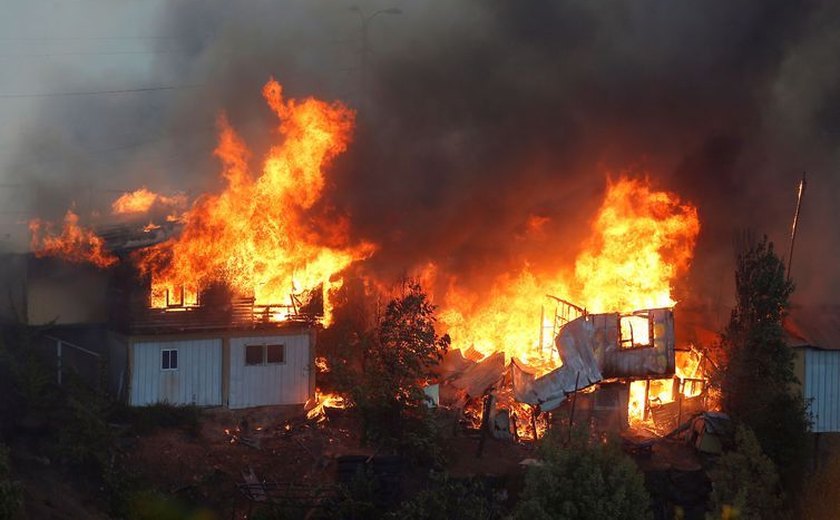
(58, 360)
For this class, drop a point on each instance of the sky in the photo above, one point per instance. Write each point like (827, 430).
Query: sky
(472, 118)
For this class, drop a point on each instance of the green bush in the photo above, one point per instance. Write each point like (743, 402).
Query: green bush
(146, 419)
(445, 497)
(584, 479)
(745, 484)
(10, 491)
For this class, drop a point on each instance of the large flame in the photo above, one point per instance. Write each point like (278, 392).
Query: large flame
(255, 235)
(642, 240)
(73, 242)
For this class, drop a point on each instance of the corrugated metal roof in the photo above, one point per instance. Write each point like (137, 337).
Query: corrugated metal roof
(814, 326)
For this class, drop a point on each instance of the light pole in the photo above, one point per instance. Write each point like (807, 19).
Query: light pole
(365, 20)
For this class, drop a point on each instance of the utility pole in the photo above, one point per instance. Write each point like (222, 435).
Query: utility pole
(800, 192)
(365, 20)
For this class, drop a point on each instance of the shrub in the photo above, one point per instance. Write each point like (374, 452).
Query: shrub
(445, 497)
(10, 491)
(744, 481)
(583, 479)
(146, 419)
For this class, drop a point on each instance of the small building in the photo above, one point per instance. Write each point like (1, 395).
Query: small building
(814, 335)
(98, 323)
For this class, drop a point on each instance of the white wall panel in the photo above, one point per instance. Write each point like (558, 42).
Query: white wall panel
(262, 385)
(822, 388)
(198, 379)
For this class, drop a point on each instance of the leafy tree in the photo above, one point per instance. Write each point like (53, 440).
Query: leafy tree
(585, 479)
(745, 483)
(758, 383)
(398, 356)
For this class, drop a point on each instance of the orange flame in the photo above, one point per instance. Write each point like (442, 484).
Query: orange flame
(141, 200)
(690, 382)
(642, 242)
(74, 243)
(322, 400)
(256, 235)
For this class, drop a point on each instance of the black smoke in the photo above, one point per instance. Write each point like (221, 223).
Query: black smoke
(475, 117)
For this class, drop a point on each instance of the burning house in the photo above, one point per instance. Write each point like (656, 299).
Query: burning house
(212, 305)
(215, 350)
(617, 370)
(217, 303)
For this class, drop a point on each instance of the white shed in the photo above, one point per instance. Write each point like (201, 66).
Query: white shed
(176, 371)
(266, 370)
(237, 369)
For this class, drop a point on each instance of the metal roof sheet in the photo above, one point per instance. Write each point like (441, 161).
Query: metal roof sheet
(813, 326)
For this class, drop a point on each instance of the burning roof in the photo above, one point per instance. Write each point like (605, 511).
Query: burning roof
(815, 326)
(260, 235)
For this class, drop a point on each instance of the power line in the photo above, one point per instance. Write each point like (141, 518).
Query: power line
(92, 154)
(89, 53)
(98, 92)
(75, 38)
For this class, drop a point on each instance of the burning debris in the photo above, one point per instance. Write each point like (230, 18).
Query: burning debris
(316, 408)
(641, 242)
(263, 240)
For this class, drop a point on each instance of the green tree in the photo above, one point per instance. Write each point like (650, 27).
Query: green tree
(757, 380)
(585, 479)
(398, 357)
(745, 483)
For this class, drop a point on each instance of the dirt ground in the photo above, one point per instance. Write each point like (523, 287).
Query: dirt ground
(280, 445)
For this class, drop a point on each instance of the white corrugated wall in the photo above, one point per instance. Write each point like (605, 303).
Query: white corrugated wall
(198, 379)
(261, 385)
(822, 388)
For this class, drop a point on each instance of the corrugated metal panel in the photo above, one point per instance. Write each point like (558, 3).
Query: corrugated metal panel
(198, 379)
(822, 388)
(261, 385)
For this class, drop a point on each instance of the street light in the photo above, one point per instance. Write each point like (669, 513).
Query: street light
(365, 20)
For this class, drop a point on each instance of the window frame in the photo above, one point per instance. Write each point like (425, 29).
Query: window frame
(264, 347)
(622, 341)
(262, 354)
(282, 353)
(168, 359)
